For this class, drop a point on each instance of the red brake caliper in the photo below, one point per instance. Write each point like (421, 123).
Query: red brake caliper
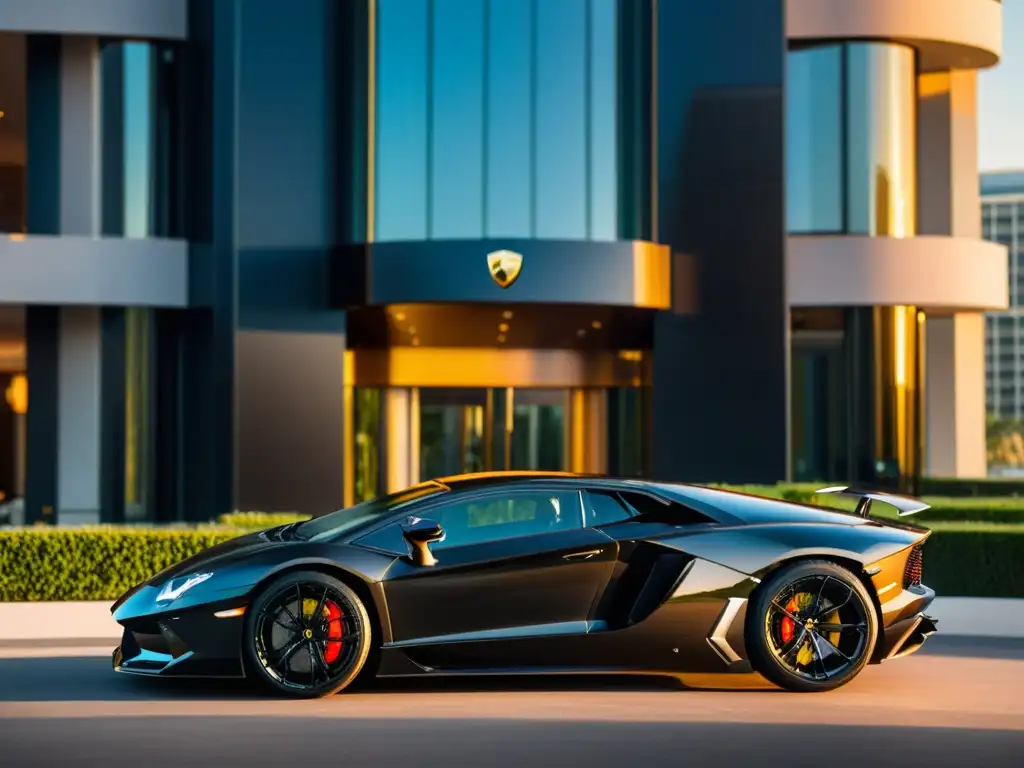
(788, 625)
(334, 632)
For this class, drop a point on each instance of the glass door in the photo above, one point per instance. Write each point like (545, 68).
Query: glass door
(538, 439)
(453, 431)
(481, 430)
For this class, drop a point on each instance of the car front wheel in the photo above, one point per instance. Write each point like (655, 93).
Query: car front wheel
(306, 635)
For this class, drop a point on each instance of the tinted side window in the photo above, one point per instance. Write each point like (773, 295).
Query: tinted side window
(647, 509)
(605, 507)
(504, 517)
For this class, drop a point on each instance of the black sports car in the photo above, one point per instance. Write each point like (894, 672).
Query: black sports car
(542, 572)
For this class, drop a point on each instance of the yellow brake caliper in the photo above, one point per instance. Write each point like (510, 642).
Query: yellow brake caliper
(806, 653)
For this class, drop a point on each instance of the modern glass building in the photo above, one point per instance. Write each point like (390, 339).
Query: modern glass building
(286, 256)
(1002, 221)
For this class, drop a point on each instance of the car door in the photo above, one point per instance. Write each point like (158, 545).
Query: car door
(514, 563)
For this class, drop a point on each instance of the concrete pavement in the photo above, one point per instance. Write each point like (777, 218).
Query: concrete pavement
(51, 622)
(955, 703)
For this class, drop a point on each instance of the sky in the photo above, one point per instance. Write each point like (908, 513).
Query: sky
(1001, 98)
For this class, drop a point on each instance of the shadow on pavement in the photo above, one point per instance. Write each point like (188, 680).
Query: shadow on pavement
(260, 740)
(90, 678)
(76, 678)
(1009, 648)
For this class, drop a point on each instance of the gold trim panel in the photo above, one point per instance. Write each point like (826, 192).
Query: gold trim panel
(487, 367)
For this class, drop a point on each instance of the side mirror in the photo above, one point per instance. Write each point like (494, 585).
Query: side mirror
(420, 533)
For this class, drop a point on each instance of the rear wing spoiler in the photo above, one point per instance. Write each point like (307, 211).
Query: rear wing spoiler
(905, 505)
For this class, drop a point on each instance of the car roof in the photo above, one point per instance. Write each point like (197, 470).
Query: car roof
(487, 479)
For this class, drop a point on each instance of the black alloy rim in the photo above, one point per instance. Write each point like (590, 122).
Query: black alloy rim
(817, 627)
(307, 636)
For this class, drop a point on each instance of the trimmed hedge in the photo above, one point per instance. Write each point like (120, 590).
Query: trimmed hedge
(92, 563)
(259, 520)
(47, 564)
(983, 560)
(997, 509)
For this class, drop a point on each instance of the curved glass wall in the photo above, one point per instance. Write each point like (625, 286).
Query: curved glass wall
(851, 169)
(881, 110)
(851, 140)
(496, 118)
(814, 140)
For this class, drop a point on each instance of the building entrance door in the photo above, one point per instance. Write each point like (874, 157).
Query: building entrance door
(412, 414)
(480, 430)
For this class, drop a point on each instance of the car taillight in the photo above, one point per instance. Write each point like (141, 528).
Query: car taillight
(912, 571)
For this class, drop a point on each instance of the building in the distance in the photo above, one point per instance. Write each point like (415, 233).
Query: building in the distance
(1002, 221)
(288, 255)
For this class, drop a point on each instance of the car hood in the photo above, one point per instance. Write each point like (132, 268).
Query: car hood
(219, 555)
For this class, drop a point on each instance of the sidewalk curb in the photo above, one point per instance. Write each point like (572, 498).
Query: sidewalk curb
(65, 623)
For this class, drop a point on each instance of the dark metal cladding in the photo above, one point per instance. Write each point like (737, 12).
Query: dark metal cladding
(662, 588)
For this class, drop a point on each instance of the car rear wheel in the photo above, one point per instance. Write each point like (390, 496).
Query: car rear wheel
(307, 635)
(811, 627)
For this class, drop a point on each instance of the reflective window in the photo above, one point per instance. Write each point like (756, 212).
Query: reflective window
(496, 119)
(509, 125)
(851, 139)
(604, 175)
(457, 130)
(138, 395)
(604, 508)
(814, 140)
(881, 82)
(285, 92)
(560, 162)
(402, 120)
(12, 134)
(506, 517)
(139, 123)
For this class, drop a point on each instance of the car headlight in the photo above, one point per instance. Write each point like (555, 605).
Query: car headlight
(175, 588)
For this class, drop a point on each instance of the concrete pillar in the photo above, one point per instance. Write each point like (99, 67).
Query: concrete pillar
(949, 204)
(955, 396)
(78, 416)
(402, 442)
(79, 356)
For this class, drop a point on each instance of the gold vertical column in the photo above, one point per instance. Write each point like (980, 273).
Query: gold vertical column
(348, 430)
(578, 430)
(510, 424)
(399, 438)
(414, 436)
(898, 388)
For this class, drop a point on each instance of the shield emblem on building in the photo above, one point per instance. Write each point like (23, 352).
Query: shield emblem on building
(505, 267)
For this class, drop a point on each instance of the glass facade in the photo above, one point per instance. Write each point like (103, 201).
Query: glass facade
(1003, 222)
(140, 130)
(851, 169)
(497, 119)
(851, 140)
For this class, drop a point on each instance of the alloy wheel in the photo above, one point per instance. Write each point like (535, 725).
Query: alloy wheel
(817, 627)
(307, 636)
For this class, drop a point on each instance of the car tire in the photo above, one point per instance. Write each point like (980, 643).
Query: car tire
(778, 637)
(329, 651)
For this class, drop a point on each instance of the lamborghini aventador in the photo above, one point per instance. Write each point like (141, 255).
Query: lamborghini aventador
(542, 573)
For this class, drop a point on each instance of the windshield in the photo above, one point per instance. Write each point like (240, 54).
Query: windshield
(343, 520)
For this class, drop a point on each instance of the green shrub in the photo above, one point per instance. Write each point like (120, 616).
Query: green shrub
(975, 560)
(259, 520)
(960, 487)
(92, 563)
